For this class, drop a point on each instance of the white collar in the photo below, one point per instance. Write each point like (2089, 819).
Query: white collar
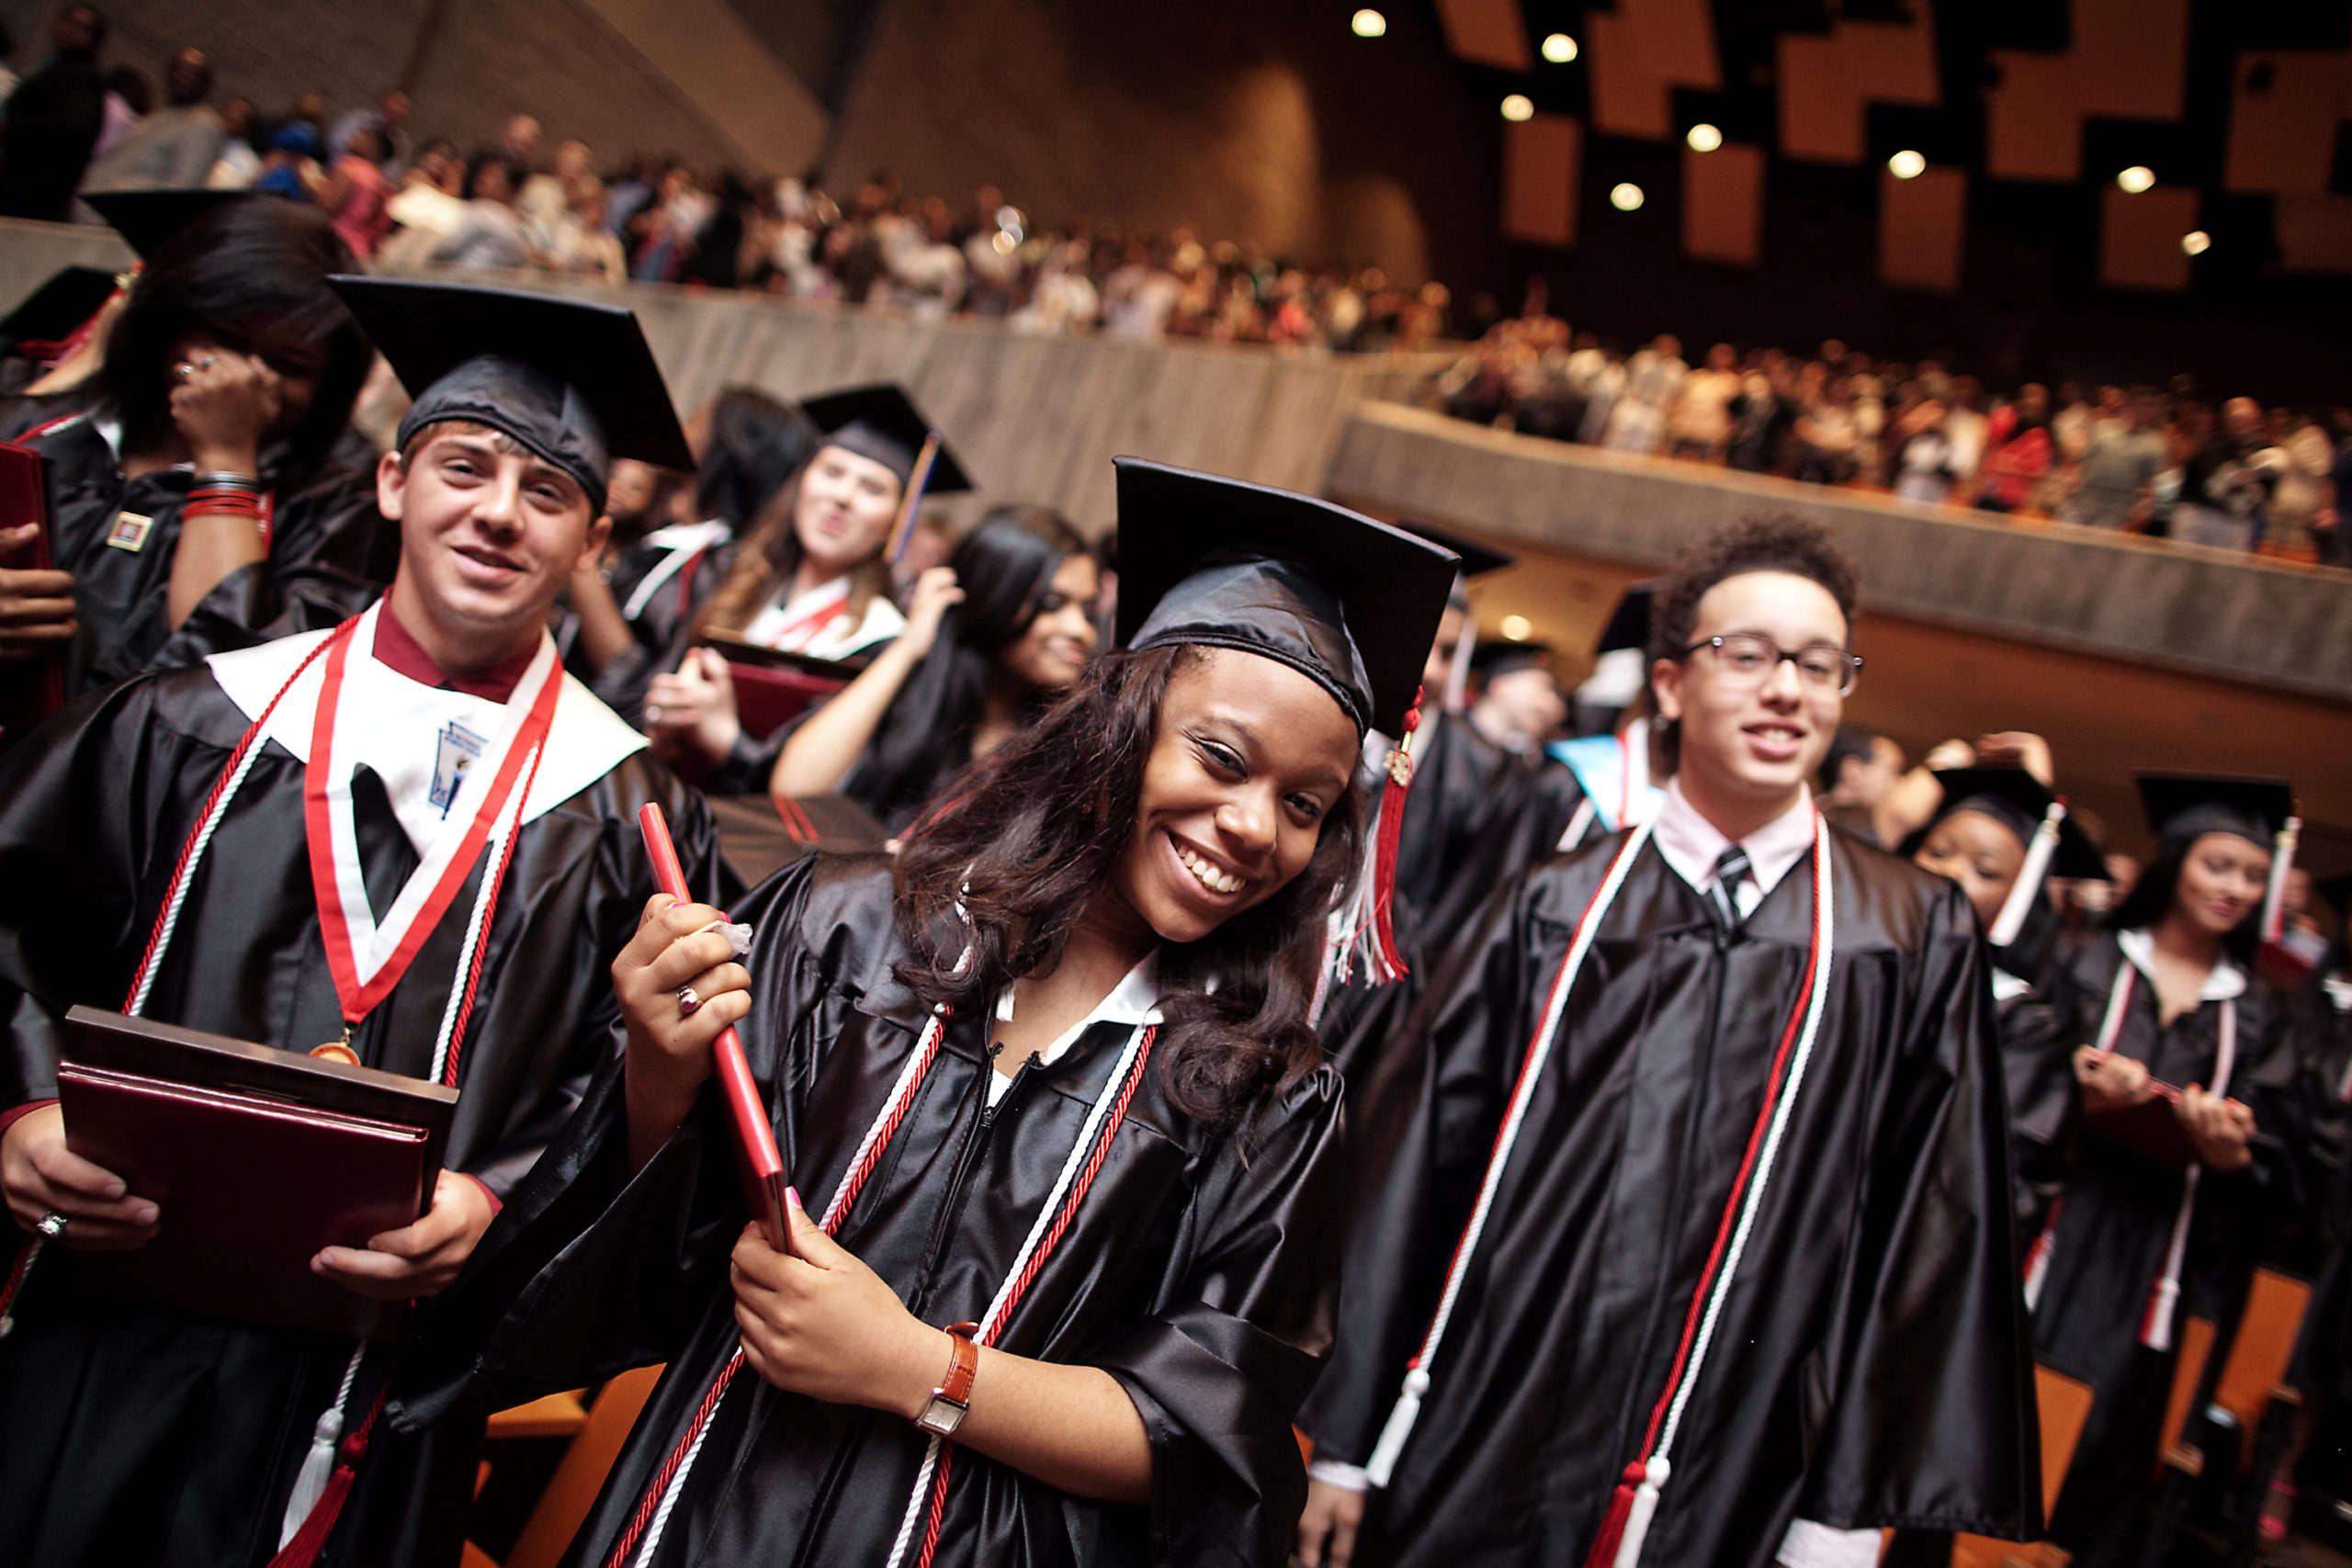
(690, 535)
(585, 738)
(1133, 1000)
(2339, 991)
(2225, 979)
(1690, 844)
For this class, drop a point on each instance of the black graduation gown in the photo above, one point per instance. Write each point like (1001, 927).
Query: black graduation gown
(2108, 1245)
(1475, 817)
(1871, 1367)
(131, 1435)
(660, 627)
(330, 553)
(2038, 1074)
(1198, 1273)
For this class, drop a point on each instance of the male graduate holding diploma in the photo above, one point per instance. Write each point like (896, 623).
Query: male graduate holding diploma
(414, 837)
(1681, 1234)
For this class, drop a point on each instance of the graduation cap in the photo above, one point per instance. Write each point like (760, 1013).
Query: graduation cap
(58, 308)
(2054, 843)
(882, 423)
(2186, 807)
(1477, 560)
(1495, 659)
(572, 381)
(1629, 623)
(1351, 604)
(146, 218)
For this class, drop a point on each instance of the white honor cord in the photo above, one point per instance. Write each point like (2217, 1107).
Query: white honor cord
(1408, 1408)
(2027, 886)
(187, 874)
(669, 1495)
(993, 1318)
(2156, 1334)
(1629, 1548)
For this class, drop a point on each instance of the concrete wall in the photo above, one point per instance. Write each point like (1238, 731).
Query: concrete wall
(2204, 612)
(685, 76)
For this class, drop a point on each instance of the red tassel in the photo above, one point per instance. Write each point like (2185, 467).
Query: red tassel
(303, 1547)
(1613, 1524)
(1388, 964)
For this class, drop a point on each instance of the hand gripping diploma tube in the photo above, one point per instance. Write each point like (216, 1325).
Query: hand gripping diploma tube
(757, 1160)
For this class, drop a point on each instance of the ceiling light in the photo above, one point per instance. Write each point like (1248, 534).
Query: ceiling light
(1704, 139)
(1625, 197)
(1907, 165)
(2136, 178)
(1559, 49)
(1519, 106)
(1516, 628)
(1368, 23)
(2196, 241)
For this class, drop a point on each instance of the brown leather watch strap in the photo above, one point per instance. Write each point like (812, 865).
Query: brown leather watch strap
(963, 1364)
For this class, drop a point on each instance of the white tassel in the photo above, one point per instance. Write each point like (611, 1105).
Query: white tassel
(318, 1465)
(2158, 1337)
(2027, 886)
(1399, 1427)
(2282, 861)
(1645, 1509)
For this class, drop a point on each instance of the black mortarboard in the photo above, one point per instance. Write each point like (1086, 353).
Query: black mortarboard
(2018, 801)
(2187, 806)
(51, 313)
(1351, 604)
(145, 218)
(882, 423)
(572, 381)
(1477, 560)
(1494, 658)
(1629, 623)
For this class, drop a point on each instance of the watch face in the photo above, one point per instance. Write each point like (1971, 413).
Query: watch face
(941, 1416)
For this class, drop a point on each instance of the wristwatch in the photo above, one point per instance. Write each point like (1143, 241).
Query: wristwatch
(952, 1398)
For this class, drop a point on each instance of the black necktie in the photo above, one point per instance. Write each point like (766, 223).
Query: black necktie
(1731, 870)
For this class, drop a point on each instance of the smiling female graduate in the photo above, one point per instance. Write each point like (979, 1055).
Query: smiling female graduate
(412, 834)
(1046, 1084)
(1680, 1233)
(2141, 1236)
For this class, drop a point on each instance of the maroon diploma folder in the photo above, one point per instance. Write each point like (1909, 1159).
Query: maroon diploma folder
(2151, 1129)
(30, 689)
(772, 686)
(256, 1158)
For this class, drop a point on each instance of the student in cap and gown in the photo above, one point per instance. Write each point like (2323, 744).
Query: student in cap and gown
(750, 447)
(812, 578)
(193, 505)
(2137, 1242)
(1683, 1235)
(134, 1434)
(1047, 1073)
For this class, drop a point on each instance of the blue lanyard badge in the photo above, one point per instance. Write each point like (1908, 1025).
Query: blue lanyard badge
(459, 751)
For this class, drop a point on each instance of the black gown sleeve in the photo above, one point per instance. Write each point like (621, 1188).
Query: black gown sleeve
(2045, 1106)
(1218, 1369)
(1931, 1379)
(1426, 1122)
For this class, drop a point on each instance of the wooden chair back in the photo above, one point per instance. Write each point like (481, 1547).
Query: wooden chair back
(573, 1490)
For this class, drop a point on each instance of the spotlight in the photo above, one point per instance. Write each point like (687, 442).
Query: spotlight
(1704, 138)
(1907, 165)
(1559, 49)
(1625, 197)
(1368, 23)
(2136, 178)
(1516, 628)
(2196, 241)
(1519, 106)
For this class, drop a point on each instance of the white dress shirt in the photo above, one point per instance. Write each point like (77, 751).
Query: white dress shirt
(1691, 845)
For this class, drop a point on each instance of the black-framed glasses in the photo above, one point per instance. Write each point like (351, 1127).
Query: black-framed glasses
(1749, 658)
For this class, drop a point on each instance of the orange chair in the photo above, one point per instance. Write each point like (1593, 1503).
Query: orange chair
(597, 1434)
(2062, 1404)
(2251, 1378)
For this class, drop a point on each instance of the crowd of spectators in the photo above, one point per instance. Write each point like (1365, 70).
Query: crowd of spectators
(2146, 459)
(73, 126)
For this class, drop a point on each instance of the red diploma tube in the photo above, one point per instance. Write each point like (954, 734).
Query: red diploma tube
(756, 1156)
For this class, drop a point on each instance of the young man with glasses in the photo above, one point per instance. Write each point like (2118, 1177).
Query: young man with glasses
(1681, 1231)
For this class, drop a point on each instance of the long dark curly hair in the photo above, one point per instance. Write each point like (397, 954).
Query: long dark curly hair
(1034, 838)
(254, 263)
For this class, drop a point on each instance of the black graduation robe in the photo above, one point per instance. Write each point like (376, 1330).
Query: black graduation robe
(1871, 1367)
(2038, 1075)
(133, 1435)
(330, 553)
(2108, 1248)
(660, 627)
(1475, 817)
(1198, 1273)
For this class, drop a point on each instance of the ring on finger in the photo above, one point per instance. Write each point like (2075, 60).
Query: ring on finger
(52, 1224)
(184, 370)
(688, 1000)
